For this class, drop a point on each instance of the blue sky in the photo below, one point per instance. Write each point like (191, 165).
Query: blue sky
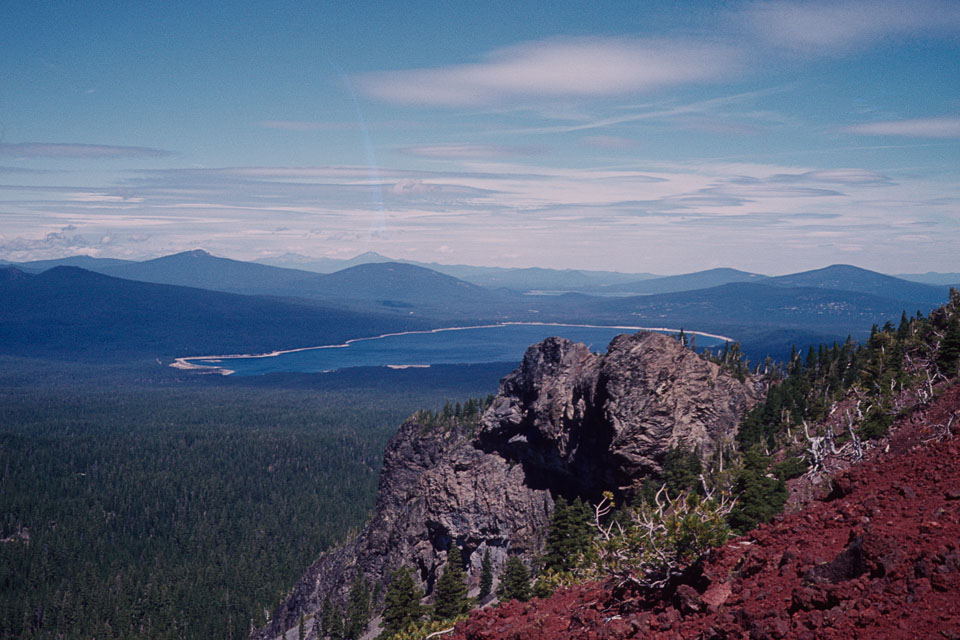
(634, 136)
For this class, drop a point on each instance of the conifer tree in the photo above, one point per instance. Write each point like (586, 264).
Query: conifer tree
(402, 604)
(761, 497)
(949, 351)
(903, 331)
(326, 617)
(358, 608)
(515, 582)
(451, 592)
(553, 558)
(681, 469)
(486, 576)
(334, 626)
(568, 535)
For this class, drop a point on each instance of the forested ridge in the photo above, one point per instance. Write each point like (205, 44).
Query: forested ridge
(177, 513)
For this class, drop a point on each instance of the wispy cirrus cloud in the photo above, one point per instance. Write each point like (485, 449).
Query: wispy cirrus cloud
(610, 142)
(915, 128)
(761, 189)
(337, 125)
(676, 212)
(20, 170)
(558, 68)
(825, 176)
(471, 151)
(300, 125)
(74, 150)
(674, 114)
(838, 25)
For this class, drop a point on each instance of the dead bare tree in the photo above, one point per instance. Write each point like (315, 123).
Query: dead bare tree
(661, 539)
(941, 431)
(817, 450)
(821, 447)
(855, 443)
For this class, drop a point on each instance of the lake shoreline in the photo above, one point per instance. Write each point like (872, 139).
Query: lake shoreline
(192, 363)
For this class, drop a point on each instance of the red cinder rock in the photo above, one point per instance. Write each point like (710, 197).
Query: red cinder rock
(896, 576)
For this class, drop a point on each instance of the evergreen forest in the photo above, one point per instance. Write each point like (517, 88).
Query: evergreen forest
(183, 511)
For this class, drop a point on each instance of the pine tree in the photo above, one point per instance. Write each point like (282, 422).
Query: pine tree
(515, 581)
(326, 617)
(333, 625)
(761, 497)
(358, 607)
(903, 331)
(554, 556)
(402, 604)
(486, 576)
(949, 351)
(451, 592)
(568, 535)
(302, 629)
(681, 469)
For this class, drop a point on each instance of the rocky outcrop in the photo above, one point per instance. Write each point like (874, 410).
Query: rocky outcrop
(435, 489)
(567, 421)
(582, 423)
(878, 559)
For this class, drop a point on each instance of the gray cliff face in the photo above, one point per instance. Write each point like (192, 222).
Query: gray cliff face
(435, 489)
(656, 394)
(581, 423)
(567, 421)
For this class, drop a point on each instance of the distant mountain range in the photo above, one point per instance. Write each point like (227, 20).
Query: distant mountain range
(75, 310)
(932, 277)
(323, 265)
(769, 315)
(517, 279)
(84, 262)
(250, 277)
(200, 269)
(68, 313)
(844, 277)
(377, 286)
(686, 282)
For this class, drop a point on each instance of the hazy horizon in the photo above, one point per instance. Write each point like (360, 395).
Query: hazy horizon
(772, 137)
(292, 260)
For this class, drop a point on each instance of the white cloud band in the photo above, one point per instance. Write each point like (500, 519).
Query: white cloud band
(916, 128)
(560, 68)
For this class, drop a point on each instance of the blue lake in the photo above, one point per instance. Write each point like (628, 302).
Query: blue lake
(473, 345)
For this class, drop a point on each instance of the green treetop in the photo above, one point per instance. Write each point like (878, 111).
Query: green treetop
(402, 601)
(761, 497)
(568, 536)
(515, 581)
(358, 607)
(486, 576)
(451, 592)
